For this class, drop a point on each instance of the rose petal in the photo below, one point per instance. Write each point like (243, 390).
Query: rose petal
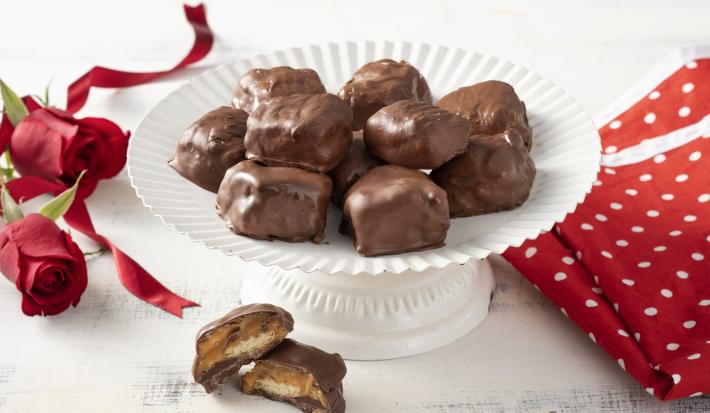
(116, 144)
(78, 271)
(9, 257)
(36, 149)
(38, 236)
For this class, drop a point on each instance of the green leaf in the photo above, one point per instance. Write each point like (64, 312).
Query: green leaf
(13, 106)
(10, 210)
(61, 203)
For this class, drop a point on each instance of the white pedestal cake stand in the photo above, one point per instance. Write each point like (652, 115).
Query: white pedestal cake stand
(382, 307)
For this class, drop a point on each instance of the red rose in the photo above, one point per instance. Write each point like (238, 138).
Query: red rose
(47, 267)
(52, 144)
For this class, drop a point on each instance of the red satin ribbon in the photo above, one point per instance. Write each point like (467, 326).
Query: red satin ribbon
(136, 280)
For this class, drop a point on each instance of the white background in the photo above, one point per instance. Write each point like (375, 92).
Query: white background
(115, 353)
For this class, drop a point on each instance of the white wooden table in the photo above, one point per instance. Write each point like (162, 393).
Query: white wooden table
(116, 354)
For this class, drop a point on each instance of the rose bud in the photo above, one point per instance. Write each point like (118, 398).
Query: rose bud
(47, 267)
(52, 144)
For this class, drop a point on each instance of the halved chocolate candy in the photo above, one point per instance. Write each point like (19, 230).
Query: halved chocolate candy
(305, 376)
(495, 174)
(243, 335)
(415, 134)
(258, 85)
(312, 132)
(381, 83)
(393, 209)
(262, 202)
(492, 107)
(210, 146)
(354, 166)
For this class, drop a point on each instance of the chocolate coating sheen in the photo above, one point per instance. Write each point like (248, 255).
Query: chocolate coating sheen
(393, 209)
(492, 107)
(416, 134)
(246, 311)
(327, 368)
(356, 163)
(381, 83)
(495, 174)
(258, 85)
(210, 146)
(306, 131)
(283, 203)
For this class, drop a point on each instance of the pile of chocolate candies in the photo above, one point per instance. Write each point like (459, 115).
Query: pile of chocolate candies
(286, 148)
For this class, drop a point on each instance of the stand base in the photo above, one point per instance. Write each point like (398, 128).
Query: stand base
(365, 317)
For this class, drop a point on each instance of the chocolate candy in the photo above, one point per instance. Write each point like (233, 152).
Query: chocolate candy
(381, 83)
(393, 209)
(416, 134)
(496, 173)
(354, 165)
(491, 107)
(261, 202)
(260, 84)
(305, 376)
(243, 335)
(210, 146)
(307, 131)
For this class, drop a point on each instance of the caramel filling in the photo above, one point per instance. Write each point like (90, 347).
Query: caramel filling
(282, 382)
(240, 339)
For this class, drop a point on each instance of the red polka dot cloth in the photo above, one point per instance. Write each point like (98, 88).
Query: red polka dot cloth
(631, 266)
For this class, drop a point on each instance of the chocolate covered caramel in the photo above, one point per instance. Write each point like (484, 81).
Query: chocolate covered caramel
(312, 132)
(416, 134)
(288, 204)
(243, 335)
(393, 209)
(381, 83)
(492, 107)
(210, 146)
(355, 164)
(258, 85)
(495, 174)
(305, 376)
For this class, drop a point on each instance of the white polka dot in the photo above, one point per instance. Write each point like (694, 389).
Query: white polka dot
(621, 364)
(649, 118)
(690, 218)
(568, 260)
(644, 264)
(558, 230)
(578, 254)
(564, 312)
(659, 248)
(560, 276)
(676, 378)
(684, 111)
(696, 394)
(667, 197)
(695, 156)
(596, 279)
(689, 324)
(591, 337)
(694, 356)
(660, 158)
(591, 303)
(615, 205)
(675, 233)
(697, 256)
(607, 254)
(667, 293)
(652, 213)
(654, 95)
(687, 87)
(672, 346)
(649, 390)
(622, 332)
(691, 65)
(597, 183)
(587, 227)
(616, 307)
(628, 282)
(600, 217)
(682, 274)
(703, 198)
(611, 149)
(637, 229)
(645, 177)
(637, 336)
(632, 192)
(597, 290)
(650, 311)
(704, 303)
(616, 124)
(707, 238)
(681, 178)
(530, 252)
(622, 243)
